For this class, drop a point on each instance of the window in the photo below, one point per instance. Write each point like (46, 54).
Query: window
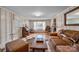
(39, 26)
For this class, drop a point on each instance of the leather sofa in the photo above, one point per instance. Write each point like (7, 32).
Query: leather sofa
(24, 32)
(64, 38)
(17, 46)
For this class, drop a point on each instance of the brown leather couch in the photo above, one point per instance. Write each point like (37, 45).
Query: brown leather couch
(24, 32)
(56, 41)
(66, 38)
(17, 46)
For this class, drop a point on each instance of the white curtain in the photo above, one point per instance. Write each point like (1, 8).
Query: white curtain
(39, 26)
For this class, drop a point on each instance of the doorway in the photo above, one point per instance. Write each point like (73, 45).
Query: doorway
(54, 25)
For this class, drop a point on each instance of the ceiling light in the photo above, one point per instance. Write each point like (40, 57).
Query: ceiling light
(37, 13)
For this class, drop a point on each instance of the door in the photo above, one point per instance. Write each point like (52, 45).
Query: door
(9, 26)
(54, 25)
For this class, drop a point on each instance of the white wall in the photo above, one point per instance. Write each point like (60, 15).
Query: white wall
(60, 20)
(0, 26)
(10, 26)
(3, 27)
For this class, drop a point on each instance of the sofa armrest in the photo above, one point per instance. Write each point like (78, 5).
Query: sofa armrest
(53, 34)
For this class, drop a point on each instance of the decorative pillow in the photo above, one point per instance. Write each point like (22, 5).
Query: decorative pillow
(59, 35)
(72, 39)
(63, 35)
(69, 35)
(61, 31)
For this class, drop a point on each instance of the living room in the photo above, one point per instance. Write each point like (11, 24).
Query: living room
(39, 29)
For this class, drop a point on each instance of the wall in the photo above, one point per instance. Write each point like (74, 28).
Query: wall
(10, 26)
(0, 26)
(60, 20)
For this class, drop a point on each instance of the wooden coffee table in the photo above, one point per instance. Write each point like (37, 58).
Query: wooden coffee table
(38, 45)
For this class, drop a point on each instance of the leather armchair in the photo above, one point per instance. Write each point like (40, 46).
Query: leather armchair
(17, 46)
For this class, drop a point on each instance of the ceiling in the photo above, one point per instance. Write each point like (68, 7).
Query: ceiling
(44, 11)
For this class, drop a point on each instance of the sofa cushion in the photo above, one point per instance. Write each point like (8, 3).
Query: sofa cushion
(68, 40)
(59, 42)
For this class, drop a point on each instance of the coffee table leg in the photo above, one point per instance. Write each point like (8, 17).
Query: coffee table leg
(43, 50)
(33, 49)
